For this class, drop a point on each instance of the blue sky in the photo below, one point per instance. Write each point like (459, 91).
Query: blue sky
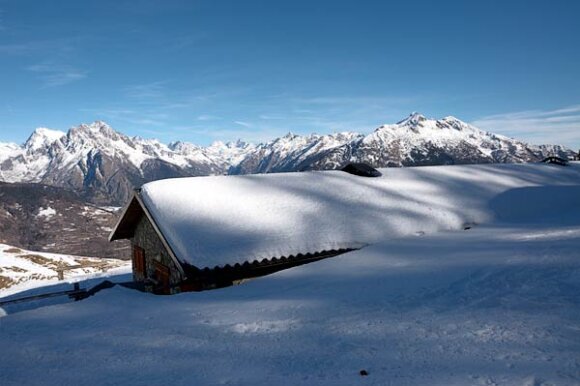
(220, 70)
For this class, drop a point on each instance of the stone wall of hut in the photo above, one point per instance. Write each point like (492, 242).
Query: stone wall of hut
(155, 253)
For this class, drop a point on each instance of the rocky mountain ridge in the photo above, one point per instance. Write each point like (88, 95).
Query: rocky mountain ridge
(104, 165)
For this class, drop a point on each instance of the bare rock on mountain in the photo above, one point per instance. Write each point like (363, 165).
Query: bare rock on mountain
(50, 219)
(104, 166)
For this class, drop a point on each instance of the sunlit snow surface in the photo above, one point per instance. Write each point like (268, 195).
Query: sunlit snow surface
(218, 220)
(497, 304)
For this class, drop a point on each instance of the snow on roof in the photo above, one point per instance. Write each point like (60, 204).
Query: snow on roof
(219, 220)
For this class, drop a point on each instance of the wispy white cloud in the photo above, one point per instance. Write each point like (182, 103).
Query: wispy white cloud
(15, 49)
(163, 96)
(53, 75)
(56, 49)
(243, 124)
(559, 126)
(207, 117)
(267, 117)
(146, 122)
(257, 118)
(354, 101)
(146, 91)
(348, 113)
(134, 117)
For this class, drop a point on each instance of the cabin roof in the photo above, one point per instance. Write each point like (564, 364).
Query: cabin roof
(219, 220)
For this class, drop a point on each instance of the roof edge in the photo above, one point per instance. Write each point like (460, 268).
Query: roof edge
(114, 233)
(160, 235)
(117, 232)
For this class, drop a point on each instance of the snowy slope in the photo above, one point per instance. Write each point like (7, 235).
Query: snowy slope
(41, 138)
(21, 269)
(8, 150)
(496, 304)
(245, 218)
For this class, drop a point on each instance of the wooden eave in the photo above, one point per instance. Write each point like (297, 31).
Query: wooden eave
(125, 227)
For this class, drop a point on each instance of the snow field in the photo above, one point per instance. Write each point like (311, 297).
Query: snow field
(493, 305)
(496, 304)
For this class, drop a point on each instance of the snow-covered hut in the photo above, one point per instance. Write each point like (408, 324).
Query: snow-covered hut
(202, 232)
(206, 232)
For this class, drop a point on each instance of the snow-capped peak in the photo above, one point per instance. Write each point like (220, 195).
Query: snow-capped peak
(230, 153)
(95, 129)
(413, 119)
(238, 144)
(230, 145)
(423, 126)
(217, 145)
(179, 146)
(8, 150)
(42, 137)
(458, 124)
(9, 146)
(289, 135)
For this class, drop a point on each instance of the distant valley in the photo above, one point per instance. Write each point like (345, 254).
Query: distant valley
(50, 219)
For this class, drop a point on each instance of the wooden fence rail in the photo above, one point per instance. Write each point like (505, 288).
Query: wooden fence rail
(75, 293)
(60, 271)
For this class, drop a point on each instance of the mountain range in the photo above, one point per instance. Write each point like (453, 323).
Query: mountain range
(104, 165)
